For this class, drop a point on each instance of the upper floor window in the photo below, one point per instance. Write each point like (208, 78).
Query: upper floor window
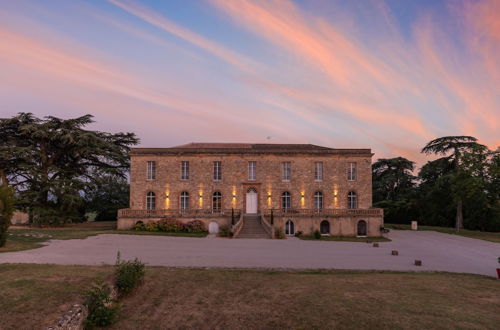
(184, 170)
(151, 201)
(184, 201)
(217, 171)
(151, 170)
(286, 201)
(352, 200)
(286, 171)
(318, 171)
(351, 171)
(252, 169)
(318, 200)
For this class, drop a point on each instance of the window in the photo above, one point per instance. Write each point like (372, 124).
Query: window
(318, 200)
(151, 201)
(184, 170)
(184, 201)
(151, 170)
(217, 171)
(289, 228)
(318, 171)
(252, 167)
(351, 171)
(324, 227)
(362, 228)
(287, 171)
(352, 200)
(286, 201)
(217, 202)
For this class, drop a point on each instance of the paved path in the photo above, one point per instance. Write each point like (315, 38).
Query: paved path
(438, 252)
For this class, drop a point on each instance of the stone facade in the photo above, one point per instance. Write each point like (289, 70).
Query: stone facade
(268, 183)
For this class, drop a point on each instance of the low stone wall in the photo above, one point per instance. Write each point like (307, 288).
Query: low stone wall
(71, 320)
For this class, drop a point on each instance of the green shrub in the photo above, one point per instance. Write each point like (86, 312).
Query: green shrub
(317, 234)
(128, 274)
(101, 311)
(225, 231)
(278, 233)
(6, 211)
(139, 226)
(195, 226)
(298, 234)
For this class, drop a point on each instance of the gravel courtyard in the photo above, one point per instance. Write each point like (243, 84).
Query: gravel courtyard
(438, 252)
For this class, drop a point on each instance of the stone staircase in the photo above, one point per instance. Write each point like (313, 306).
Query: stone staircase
(252, 228)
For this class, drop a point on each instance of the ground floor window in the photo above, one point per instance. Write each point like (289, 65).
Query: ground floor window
(362, 228)
(289, 228)
(184, 201)
(217, 202)
(151, 201)
(324, 227)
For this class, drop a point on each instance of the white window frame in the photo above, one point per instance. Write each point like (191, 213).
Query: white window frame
(352, 200)
(286, 201)
(217, 170)
(151, 170)
(252, 170)
(286, 171)
(184, 170)
(150, 201)
(318, 171)
(318, 201)
(352, 171)
(184, 201)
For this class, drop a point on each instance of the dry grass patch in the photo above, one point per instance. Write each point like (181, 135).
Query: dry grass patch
(484, 235)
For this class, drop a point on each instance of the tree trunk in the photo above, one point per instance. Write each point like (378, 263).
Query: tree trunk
(3, 177)
(459, 218)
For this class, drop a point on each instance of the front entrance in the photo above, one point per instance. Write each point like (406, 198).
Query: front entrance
(251, 201)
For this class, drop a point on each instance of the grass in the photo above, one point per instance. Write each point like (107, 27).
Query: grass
(345, 239)
(22, 238)
(34, 295)
(484, 235)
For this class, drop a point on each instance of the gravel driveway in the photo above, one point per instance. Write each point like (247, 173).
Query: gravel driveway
(438, 252)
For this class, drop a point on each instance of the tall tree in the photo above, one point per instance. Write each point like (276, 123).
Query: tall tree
(52, 162)
(6, 211)
(454, 149)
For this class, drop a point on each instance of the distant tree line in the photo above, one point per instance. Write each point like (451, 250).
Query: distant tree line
(59, 171)
(460, 189)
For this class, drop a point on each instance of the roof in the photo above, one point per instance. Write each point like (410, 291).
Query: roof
(247, 148)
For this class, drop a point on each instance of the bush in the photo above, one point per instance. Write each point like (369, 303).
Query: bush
(6, 211)
(298, 234)
(172, 226)
(279, 234)
(101, 311)
(128, 274)
(139, 225)
(317, 234)
(195, 226)
(225, 231)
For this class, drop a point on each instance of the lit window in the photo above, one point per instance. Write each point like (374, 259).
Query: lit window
(184, 201)
(318, 200)
(286, 201)
(351, 171)
(217, 171)
(151, 170)
(252, 167)
(184, 170)
(318, 171)
(151, 201)
(352, 200)
(287, 171)
(217, 202)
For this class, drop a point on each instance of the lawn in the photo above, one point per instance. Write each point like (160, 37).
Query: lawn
(484, 235)
(25, 238)
(33, 295)
(345, 239)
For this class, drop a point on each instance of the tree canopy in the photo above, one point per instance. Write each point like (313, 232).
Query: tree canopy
(53, 162)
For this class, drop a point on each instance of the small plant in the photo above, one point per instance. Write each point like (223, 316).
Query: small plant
(139, 225)
(225, 231)
(128, 274)
(279, 234)
(101, 311)
(298, 234)
(317, 234)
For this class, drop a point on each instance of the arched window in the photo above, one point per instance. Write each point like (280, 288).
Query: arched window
(352, 200)
(184, 201)
(324, 227)
(217, 202)
(151, 201)
(286, 201)
(318, 200)
(289, 228)
(362, 228)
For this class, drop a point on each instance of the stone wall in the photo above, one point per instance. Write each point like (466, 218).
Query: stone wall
(71, 320)
(339, 226)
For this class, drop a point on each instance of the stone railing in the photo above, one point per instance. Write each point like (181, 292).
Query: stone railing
(163, 213)
(236, 228)
(324, 212)
(267, 226)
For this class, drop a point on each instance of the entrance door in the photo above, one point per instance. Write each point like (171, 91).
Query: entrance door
(251, 201)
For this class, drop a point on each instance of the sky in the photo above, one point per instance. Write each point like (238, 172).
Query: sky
(388, 75)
